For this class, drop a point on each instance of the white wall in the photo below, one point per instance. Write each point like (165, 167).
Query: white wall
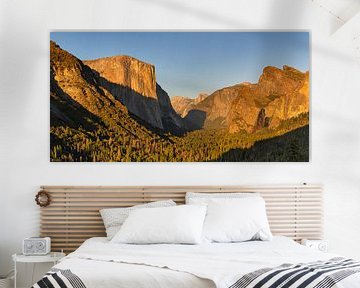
(24, 109)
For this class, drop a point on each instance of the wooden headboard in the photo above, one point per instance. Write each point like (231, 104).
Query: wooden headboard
(73, 215)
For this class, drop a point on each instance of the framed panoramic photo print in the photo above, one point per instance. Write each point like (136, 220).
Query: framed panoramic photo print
(179, 96)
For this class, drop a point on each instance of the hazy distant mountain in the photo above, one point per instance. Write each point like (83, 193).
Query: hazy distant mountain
(182, 105)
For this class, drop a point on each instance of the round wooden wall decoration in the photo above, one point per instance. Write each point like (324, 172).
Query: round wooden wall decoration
(42, 198)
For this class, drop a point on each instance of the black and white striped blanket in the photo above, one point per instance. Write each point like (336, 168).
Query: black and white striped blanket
(320, 274)
(57, 278)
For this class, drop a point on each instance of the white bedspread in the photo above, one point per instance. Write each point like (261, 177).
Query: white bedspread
(102, 264)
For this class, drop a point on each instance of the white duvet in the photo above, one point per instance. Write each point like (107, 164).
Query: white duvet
(100, 263)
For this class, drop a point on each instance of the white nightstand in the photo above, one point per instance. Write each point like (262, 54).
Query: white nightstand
(53, 257)
(320, 245)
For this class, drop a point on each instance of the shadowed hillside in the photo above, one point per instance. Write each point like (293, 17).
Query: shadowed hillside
(290, 147)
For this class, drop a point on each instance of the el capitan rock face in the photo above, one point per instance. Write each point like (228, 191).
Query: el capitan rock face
(133, 82)
(128, 72)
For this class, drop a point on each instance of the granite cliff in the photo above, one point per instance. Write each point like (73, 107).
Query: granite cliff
(133, 82)
(279, 95)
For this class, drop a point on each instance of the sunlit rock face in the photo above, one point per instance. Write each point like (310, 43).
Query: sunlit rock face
(279, 95)
(133, 82)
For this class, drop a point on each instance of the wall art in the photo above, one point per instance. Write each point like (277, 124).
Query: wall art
(179, 96)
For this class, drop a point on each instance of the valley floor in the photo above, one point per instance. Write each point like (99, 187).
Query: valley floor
(288, 143)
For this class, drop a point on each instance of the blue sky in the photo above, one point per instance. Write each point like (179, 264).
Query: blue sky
(191, 62)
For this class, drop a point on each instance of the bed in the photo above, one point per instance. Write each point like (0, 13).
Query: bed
(294, 211)
(99, 263)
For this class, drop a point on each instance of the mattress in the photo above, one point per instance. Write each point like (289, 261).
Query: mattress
(99, 263)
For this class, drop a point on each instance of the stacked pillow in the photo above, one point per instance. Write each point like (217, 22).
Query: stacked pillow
(233, 217)
(114, 218)
(220, 217)
(171, 225)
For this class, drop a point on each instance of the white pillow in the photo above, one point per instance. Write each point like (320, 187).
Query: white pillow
(113, 218)
(180, 224)
(204, 198)
(236, 220)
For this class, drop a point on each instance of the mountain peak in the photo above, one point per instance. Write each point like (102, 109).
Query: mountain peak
(182, 105)
(123, 59)
(201, 96)
(271, 69)
(127, 71)
(62, 58)
(285, 68)
(291, 69)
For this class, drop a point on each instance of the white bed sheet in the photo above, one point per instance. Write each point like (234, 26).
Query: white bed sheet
(101, 274)
(100, 263)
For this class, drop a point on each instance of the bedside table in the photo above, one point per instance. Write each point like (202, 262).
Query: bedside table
(52, 257)
(320, 245)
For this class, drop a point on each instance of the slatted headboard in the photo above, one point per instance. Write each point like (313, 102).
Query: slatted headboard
(73, 215)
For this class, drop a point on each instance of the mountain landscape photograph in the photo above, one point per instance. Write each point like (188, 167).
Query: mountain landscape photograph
(179, 96)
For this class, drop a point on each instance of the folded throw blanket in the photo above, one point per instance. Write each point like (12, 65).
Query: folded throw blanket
(319, 274)
(59, 278)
